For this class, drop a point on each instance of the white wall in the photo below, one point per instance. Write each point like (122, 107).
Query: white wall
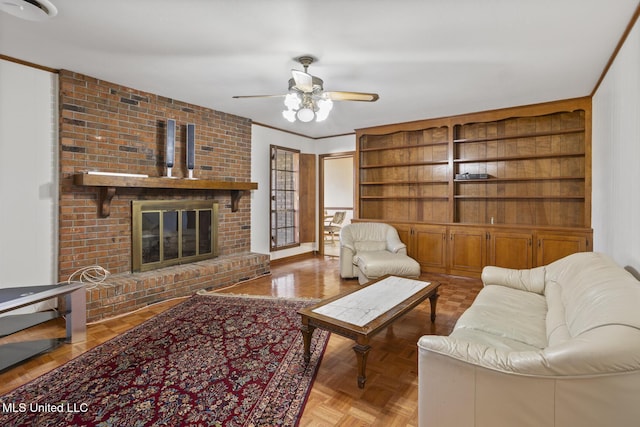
(616, 157)
(261, 138)
(28, 176)
(338, 144)
(338, 177)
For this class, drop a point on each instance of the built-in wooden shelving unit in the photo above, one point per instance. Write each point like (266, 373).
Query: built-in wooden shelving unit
(518, 175)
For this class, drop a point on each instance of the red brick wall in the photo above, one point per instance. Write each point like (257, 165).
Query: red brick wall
(108, 127)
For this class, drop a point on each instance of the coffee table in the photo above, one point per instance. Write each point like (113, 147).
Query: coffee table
(362, 313)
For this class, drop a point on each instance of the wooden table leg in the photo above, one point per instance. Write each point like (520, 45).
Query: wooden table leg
(362, 351)
(307, 332)
(433, 299)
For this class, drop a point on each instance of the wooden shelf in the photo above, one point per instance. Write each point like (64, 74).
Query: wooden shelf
(522, 179)
(404, 147)
(522, 157)
(445, 198)
(405, 182)
(109, 183)
(519, 136)
(464, 197)
(395, 165)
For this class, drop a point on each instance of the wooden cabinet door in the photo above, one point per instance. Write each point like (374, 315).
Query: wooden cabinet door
(467, 250)
(510, 249)
(428, 247)
(426, 244)
(552, 247)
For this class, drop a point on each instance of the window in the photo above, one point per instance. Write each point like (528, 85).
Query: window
(285, 184)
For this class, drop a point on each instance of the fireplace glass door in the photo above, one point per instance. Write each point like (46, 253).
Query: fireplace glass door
(173, 232)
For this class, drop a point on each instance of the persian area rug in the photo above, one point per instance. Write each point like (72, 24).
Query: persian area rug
(209, 361)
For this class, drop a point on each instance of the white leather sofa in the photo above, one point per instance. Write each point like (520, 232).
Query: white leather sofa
(369, 250)
(557, 346)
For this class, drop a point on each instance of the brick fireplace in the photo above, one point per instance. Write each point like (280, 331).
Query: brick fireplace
(110, 128)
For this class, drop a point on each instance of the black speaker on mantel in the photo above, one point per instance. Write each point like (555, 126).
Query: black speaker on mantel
(191, 148)
(171, 145)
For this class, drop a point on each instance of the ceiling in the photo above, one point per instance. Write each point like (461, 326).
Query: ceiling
(425, 58)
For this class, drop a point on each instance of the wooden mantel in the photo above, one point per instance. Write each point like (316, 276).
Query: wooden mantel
(109, 183)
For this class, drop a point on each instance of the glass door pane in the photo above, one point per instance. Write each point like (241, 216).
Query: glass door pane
(170, 239)
(204, 231)
(189, 233)
(150, 237)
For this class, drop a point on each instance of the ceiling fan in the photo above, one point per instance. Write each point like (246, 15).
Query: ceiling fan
(307, 98)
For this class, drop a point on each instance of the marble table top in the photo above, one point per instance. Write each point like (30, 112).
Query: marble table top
(361, 307)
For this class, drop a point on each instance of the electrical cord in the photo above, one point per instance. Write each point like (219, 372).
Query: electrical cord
(94, 275)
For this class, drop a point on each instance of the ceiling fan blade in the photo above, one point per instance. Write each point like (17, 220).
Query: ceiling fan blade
(351, 96)
(304, 81)
(259, 96)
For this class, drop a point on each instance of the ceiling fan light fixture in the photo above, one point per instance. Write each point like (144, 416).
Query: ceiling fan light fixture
(305, 114)
(290, 115)
(306, 99)
(306, 107)
(324, 108)
(292, 101)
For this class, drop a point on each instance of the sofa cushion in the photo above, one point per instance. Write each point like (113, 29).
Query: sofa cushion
(509, 314)
(595, 292)
(378, 263)
(532, 280)
(500, 342)
(557, 330)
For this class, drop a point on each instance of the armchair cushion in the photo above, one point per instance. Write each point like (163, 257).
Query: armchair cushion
(370, 246)
(378, 263)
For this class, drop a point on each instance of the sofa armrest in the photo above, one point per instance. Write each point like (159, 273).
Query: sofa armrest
(347, 268)
(530, 280)
(395, 245)
(529, 362)
(454, 393)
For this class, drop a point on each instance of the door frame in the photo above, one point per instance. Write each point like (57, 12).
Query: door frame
(321, 159)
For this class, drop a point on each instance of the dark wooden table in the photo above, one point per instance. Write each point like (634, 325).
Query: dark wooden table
(361, 333)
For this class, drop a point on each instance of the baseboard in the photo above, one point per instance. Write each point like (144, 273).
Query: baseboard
(294, 258)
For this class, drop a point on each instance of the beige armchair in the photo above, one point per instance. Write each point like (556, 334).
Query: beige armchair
(369, 250)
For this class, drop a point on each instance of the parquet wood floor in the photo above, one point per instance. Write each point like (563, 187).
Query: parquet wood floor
(390, 397)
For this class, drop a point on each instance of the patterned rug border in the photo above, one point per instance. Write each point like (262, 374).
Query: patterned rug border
(321, 338)
(252, 296)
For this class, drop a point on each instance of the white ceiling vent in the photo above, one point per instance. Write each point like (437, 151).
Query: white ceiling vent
(31, 10)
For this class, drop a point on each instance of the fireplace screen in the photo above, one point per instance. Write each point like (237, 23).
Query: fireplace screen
(169, 232)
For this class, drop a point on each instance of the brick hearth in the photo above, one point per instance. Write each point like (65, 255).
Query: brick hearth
(111, 128)
(126, 292)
